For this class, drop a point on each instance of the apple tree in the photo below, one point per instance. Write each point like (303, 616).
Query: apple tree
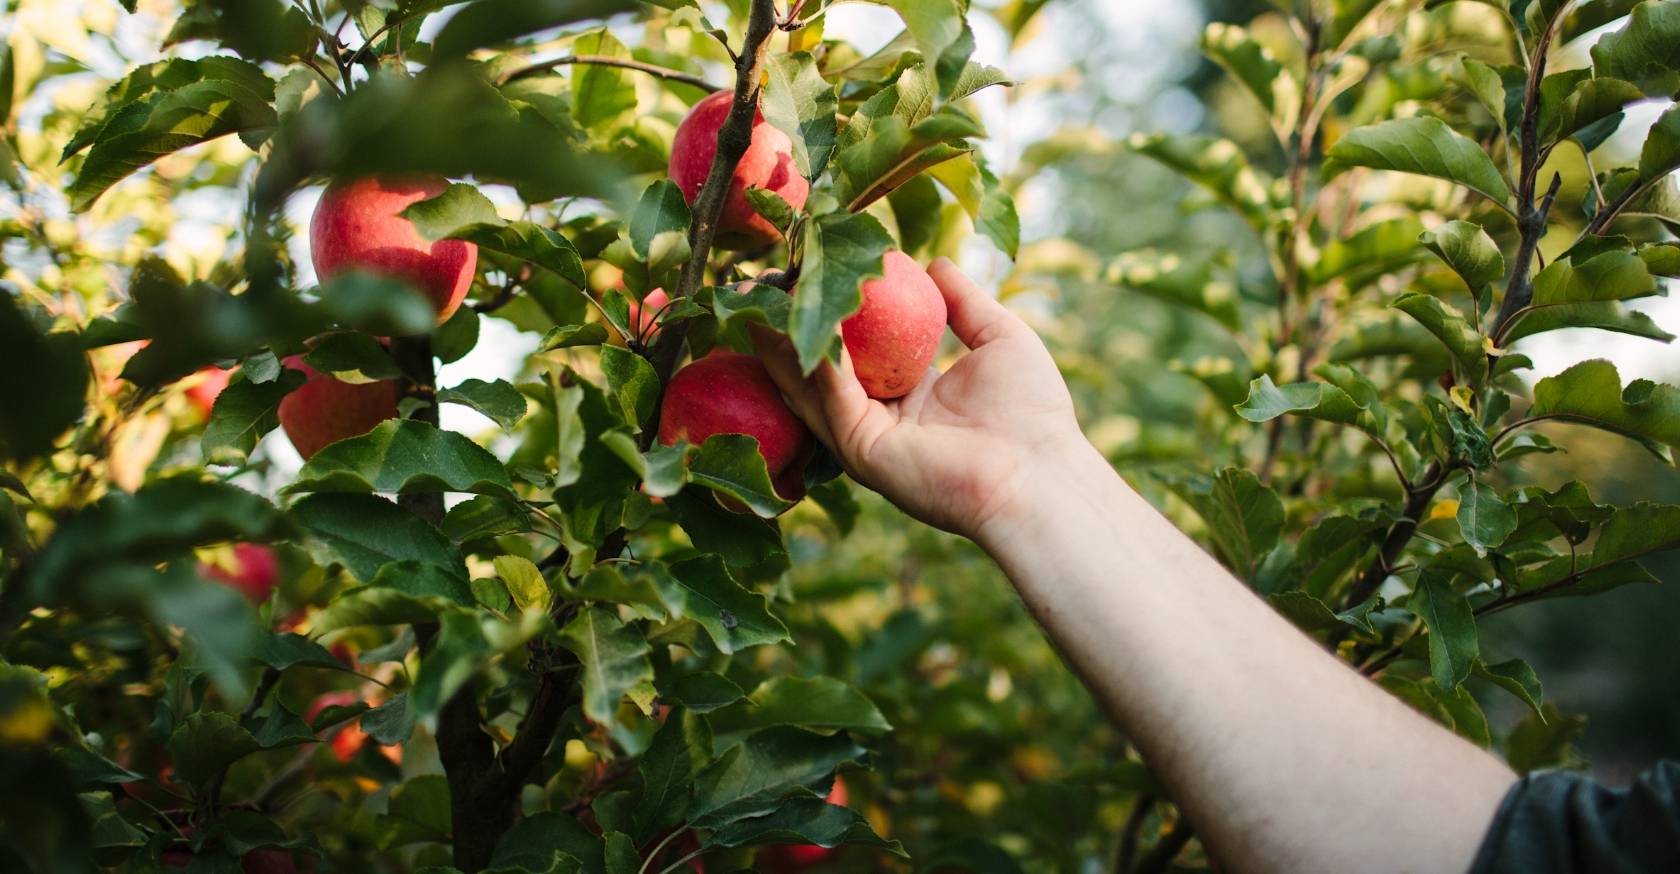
(547, 649)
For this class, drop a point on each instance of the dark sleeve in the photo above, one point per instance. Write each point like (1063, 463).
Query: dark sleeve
(1564, 823)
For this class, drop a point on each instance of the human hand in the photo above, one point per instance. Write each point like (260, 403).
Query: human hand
(960, 449)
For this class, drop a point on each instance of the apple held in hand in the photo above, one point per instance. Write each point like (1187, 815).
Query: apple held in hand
(325, 410)
(794, 858)
(358, 225)
(730, 393)
(767, 164)
(895, 334)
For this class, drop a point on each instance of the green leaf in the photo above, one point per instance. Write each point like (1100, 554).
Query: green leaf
(1488, 87)
(417, 812)
(551, 843)
(492, 22)
(1484, 518)
(763, 304)
(741, 539)
(405, 456)
(1516, 677)
(1310, 614)
(1591, 393)
(1318, 400)
(365, 532)
(798, 101)
(1646, 51)
(205, 744)
(1217, 165)
(1257, 69)
(1590, 102)
(943, 36)
(1374, 251)
(667, 772)
(1453, 647)
(524, 581)
(1545, 740)
(226, 97)
(44, 377)
(282, 651)
(821, 704)
(841, 251)
(499, 401)
(734, 617)
(1661, 154)
(1425, 146)
(390, 723)
(701, 692)
(601, 94)
(808, 821)
(1455, 332)
(754, 777)
(458, 206)
(1244, 517)
(528, 242)
(485, 516)
(659, 226)
(572, 336)
(376, 304)
(1469, 251)
(731, 464)
(243, 413)
(632, 383)
(353, 357)
(614, 659)
(1584, 289)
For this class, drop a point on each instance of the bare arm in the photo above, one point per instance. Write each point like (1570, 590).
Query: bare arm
(1282, 756)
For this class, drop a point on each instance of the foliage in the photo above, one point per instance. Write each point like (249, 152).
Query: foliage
(581, 661)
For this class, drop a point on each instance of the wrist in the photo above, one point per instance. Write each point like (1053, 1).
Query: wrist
(1057, 479)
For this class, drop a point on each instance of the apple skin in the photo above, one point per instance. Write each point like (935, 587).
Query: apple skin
(794, 858)
(730, 393)
(255, 571)
(894, 336)
(203, 394)
(358, 225)
(348, 738)
(767, 164)
(644, 316)
(325, 410)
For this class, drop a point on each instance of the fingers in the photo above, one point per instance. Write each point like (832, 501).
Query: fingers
(976, 318)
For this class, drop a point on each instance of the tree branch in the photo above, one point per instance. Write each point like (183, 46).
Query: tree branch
(733, 139)
(1417, 503)
(1160, 857)
(609, 61)
(1531, 220)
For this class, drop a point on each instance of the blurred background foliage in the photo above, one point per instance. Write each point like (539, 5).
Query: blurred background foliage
(994, 740)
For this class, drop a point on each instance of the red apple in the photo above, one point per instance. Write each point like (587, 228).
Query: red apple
(324, 410)
(730, 393)
(644, 316)
(894, 336)
(358, 225)
(348, 738)
(254, 572)
(794, 858)
(211, 381)
(767, 164)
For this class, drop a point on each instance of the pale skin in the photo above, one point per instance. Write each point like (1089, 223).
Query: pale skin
(1282, 757)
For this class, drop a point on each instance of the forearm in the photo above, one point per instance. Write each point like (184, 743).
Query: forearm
(1283, 757)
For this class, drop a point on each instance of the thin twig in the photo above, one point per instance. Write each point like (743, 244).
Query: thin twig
(1160, 857)
(610, 61)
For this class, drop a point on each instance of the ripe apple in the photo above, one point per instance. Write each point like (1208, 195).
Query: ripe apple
(730, 393)
(894, 336)
(211, 381)
(359, 225)
(644, 316)
(254, 572)
(767, 164)
(325, 410)
(794, 858)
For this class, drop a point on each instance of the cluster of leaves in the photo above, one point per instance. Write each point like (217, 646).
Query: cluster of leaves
(1435, 182)
(565, 665)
